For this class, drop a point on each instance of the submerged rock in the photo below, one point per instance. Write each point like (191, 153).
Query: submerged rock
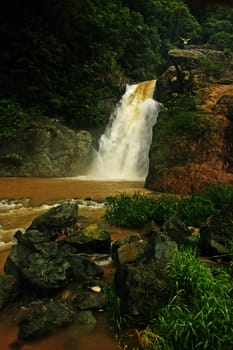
(44, 320)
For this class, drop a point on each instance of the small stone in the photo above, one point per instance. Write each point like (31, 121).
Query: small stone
(96, 289)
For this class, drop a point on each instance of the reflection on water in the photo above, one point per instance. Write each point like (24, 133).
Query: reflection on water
(75, 337)
(23, 199)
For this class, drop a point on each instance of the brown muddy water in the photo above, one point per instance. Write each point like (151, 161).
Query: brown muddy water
(23, 199)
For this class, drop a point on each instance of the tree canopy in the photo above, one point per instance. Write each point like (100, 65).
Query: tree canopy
(60, 58)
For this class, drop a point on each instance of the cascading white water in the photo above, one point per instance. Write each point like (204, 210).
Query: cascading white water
(124, 147)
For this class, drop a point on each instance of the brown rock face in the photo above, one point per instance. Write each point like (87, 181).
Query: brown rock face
(201, 152)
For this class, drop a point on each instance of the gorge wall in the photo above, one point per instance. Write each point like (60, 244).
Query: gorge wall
(192, 140)
(49, 149)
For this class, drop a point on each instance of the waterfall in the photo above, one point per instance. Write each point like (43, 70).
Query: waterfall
(123, 152)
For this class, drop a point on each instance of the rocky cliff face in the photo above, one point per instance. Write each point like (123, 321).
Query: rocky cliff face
(48, 150)
(192, 140)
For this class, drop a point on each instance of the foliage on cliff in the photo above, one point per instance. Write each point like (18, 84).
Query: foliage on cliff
(61, 58)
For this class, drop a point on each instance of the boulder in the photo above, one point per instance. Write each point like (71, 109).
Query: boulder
(143, 290)
(55, 220)
(37, 259)
(84, 269)
(92, 239)
(86, 317)
(90, 300)
(177, 230)
(127, 241)
(217, 233)
(165, 249)
(43, 320)
(132, 252)
(8, 289)
(42, 266)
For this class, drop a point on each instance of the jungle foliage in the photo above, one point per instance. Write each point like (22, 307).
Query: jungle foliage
(134, 211)
(199, 314)
(62, 57)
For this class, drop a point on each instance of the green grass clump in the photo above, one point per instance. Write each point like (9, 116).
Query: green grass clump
(220, 195)
(199, 316)
(136, 210)
(113, 306)
(194, 210)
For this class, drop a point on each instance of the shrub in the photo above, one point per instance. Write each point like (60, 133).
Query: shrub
(220, 195)
(163, 208)
(213, 68)
(199, 315)
(129, 211)
(136, 210)
(13, 120)
(195, 209)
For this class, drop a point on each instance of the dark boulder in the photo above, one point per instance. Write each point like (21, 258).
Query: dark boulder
(58, 218)
(143, 290)
(89, 299)
(177, 230)
(143, 285)
(92, 239)
(217, 233)
(8, 289)
(83, 268)
(86, 317)
(43, 320)
(45, 267)
(37, 259)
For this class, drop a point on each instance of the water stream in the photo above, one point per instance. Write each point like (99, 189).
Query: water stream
(124, 147)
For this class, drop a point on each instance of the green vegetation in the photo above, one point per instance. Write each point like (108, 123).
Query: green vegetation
(199, 314)
(13, 121)
(179, 128)
(220, 195)
(114, 310)
(136, 210)
(62, 58)
(213, 68)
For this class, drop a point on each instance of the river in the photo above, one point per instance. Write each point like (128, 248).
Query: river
(23, 199)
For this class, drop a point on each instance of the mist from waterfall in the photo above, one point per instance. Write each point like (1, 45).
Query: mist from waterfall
(123, 152)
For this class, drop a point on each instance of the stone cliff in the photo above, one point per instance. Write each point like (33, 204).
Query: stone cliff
(49, 149)
(192, 140)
